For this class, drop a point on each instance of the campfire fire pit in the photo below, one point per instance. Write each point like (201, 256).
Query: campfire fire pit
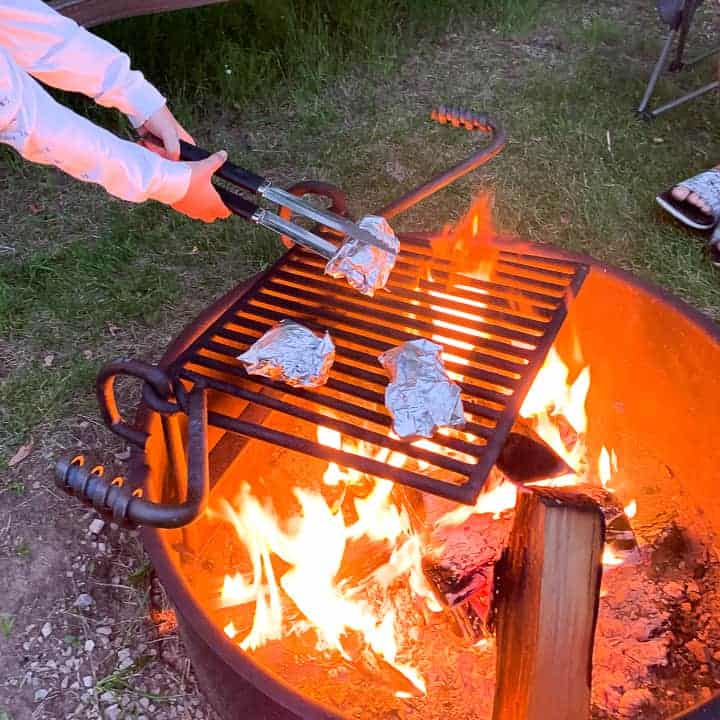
(267, 494)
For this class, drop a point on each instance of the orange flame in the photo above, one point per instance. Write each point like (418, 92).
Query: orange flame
(553, 396)
(313, 546)
(610, 558)
(469, 244)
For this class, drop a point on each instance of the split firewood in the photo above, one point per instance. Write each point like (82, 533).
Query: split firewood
(459, 564)
(548, 590)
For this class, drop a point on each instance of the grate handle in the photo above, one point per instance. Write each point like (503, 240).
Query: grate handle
(157, 389)
(480, 122)
(114, 499)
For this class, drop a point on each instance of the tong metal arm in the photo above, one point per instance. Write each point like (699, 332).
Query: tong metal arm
(251, 182)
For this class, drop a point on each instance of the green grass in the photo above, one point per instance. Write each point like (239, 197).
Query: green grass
(342, 94)
(7, 623)
(599, 31)
(15, 486)
(117, 680)
(514, 15)
(118, 275)
(130, 271)
(140, 576)
(580, 154)
(37, 395)
(23, 550)
(244, 51)
(64, 298)
(120, 680)
(73, 640)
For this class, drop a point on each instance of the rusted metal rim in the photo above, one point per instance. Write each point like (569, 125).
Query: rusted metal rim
(276, 691)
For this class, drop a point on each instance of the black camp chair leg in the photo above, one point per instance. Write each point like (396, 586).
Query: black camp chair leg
(685, 22)
(652, 114)
(657, 71)
(681, 27)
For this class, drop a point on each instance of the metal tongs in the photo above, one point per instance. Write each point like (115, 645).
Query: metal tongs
(248, 180)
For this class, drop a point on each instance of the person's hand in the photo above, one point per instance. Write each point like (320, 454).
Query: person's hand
(163, 125)
(201, 201)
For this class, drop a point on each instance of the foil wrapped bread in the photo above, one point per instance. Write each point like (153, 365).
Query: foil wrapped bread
(365, 266)
(292, 354)
(420, 396)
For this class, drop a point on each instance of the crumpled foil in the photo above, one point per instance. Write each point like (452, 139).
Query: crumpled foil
(292, 354)
(366, 267)
(420, 397)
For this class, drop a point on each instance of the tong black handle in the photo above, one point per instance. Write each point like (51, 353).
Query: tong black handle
(229, 171)
(236, 204)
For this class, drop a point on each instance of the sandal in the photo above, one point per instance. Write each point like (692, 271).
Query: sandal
(707, 186)
(714, 248)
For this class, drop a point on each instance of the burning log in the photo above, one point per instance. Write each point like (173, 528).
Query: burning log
(462, 571)
(526, 457)
(462, 545)
(460, 568)
(548, 590)
(461, 565)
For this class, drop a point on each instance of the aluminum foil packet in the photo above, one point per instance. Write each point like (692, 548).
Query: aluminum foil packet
(420, 397)
(367, 266)
(291, 353)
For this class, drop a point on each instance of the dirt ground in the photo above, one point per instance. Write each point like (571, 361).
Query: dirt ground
(82, 632)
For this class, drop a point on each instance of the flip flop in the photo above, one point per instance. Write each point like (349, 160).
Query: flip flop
(714, 248)
(707, 186)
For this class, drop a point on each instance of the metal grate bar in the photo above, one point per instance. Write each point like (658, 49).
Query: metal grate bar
(340, 457)
(415, 276)
(410, 293)
(333, 384)
(522, 352)
(306, 314)
(422, 306)
(482, 411)
(522, 269)
(496, 333)
(481, 392)
(468, 388)
(462, 335)
(346, 428)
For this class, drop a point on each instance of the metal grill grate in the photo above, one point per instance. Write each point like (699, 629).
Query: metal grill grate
(496, 335)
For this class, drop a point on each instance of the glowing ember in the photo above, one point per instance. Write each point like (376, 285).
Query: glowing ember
(631, 509)
(610, 559)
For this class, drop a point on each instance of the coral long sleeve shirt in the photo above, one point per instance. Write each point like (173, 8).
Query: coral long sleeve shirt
(39, 42)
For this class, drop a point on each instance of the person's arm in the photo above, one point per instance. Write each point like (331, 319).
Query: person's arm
(45, 132)
(60, 53)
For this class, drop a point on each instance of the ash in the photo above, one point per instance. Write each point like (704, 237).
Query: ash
(657, 645)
